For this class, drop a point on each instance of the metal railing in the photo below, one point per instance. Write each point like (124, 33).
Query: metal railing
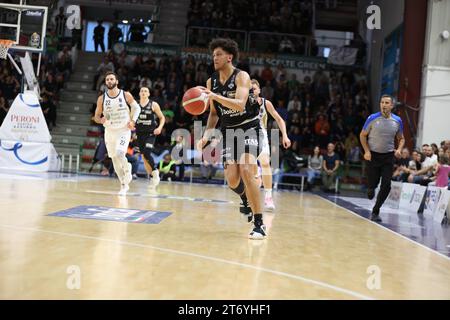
(69, 157)
(260, 41)
(200, 36)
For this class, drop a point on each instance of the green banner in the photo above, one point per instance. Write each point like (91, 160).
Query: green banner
(254, 58)
(260, 59)
(135, 48)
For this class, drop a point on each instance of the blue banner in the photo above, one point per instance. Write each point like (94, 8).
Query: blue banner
(391, 62)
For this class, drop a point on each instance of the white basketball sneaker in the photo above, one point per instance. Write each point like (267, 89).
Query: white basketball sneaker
(258, 233)
(268, 203)
(155, 179)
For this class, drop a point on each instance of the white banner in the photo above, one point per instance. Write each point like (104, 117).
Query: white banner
(28, 156)
(431, 200)
(342, 56)
(393, 200)
(442, 205)
(28, 71)
(411, 197)
(25, 121)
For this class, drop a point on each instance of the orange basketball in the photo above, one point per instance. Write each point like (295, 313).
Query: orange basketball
(195, 101)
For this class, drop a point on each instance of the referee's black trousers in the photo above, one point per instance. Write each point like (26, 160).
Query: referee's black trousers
(381, 166)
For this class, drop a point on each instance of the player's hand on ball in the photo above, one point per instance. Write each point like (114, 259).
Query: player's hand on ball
(201, 143)
(286, 142)
(368, 156)
(131, 125)
(157, 131)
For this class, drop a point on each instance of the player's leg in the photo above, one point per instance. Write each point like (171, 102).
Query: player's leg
(148, 159)
(235, 183)
(264, 159)
(119, 158)
(111, 142)
(246, 169)
(231, 172)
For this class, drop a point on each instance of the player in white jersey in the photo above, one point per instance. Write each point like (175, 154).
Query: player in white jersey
(118, 123)
(264, 156)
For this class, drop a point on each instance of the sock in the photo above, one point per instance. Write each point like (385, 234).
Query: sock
(244, 199)
(269, 193)
(258, 219)
(155, 173)
(240, 189)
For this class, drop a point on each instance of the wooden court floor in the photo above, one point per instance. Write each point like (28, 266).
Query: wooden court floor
(315, 249)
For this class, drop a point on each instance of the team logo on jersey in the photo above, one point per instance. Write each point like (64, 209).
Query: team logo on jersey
(231, 94)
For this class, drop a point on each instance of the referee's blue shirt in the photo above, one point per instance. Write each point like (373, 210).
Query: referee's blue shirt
(382, 132)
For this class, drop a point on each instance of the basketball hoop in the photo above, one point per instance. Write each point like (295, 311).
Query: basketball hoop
(4, 47)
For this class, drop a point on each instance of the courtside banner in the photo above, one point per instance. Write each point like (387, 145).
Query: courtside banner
(442, 205)
(411, 197)
(25, 121)
(28, 156)
(393, 200)
(432, 196)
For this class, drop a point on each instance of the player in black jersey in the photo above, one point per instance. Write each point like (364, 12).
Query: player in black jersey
(147, 128)
(233, 103)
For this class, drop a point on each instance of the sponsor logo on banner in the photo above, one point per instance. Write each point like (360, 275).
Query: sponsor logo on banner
(25, 121)
(393, 200)
(29, 156)
(411, 197)
(432, 196)
(15, 151)
(113, 214)
(442, 206)
(343, 56)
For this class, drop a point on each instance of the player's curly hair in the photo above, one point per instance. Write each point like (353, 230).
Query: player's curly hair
(228, 45)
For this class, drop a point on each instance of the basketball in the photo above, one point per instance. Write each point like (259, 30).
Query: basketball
(195, 101)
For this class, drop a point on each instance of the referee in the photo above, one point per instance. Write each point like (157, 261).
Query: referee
(378, 140)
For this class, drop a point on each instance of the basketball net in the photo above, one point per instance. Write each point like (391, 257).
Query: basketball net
(4, 47)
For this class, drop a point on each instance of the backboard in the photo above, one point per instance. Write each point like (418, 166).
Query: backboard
(25, 25)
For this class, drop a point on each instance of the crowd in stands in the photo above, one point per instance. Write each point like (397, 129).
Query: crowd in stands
(274, 16)
(428, 166)
(291, 18)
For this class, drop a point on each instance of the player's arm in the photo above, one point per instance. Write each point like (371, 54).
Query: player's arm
(99, 110)
(159, 114)
(243, 85)
(280, 122)
(135, 109)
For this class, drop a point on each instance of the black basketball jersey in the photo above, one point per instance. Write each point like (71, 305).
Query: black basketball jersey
(230, 118)
(147, 120)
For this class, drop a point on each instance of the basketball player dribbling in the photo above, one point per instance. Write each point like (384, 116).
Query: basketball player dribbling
(264, 156)
(118, 123)
(147, 128)
(232, 103)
